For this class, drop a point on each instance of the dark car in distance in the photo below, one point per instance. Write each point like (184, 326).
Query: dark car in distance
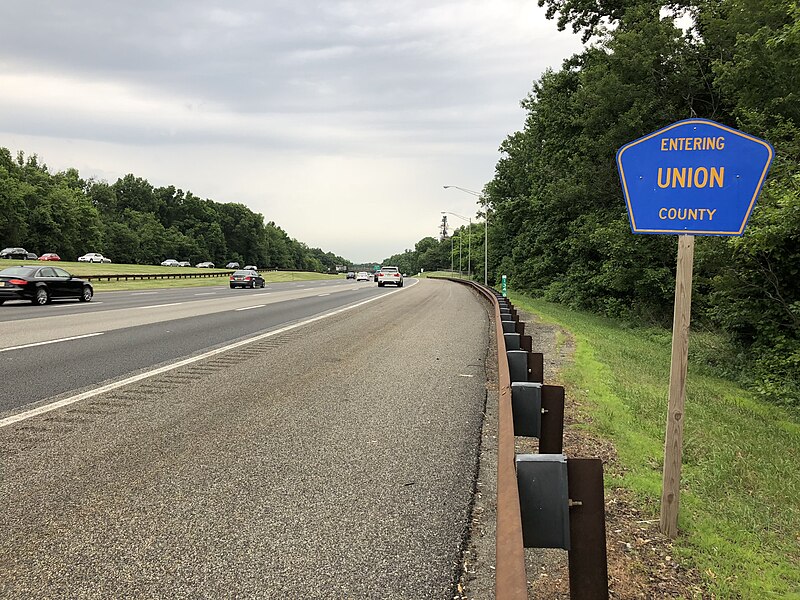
(42, 284)
(247, 279)
(14, 253)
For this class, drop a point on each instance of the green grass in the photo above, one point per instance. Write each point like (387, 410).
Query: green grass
(440, 274)
(740, 493)
(81, 269)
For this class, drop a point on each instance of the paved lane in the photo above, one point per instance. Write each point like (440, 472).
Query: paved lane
(110, 345)
(335, 461)
(17, 310)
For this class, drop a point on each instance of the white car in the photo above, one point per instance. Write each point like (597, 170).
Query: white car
(362, 276)
(205, 265)
(170, 262)
(390, 275)
(94, 257)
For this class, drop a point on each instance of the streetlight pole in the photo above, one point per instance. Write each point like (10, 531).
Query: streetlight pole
(452, 270)
(460, 274)
(469, 243)
(486, 248)
(485, 233)
(469, 250)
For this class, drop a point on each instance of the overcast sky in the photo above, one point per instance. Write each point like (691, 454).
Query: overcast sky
(340, 121)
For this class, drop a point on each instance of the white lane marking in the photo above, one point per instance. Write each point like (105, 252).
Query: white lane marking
(321, 295)
(251, 307)
(306, 289)
(159, 305)
(81, 304)
(206, 294)
(66, 339)
(181, 363)
(144, 293)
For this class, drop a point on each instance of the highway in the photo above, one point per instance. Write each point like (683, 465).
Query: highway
(123, 332)
(333, 456)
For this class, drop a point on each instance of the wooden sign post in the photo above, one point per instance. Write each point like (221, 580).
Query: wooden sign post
(673, 441)
(693, 177)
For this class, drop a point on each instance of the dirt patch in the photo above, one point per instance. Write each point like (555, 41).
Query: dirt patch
(641, 561)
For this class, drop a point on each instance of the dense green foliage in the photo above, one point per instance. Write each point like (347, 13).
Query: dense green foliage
(133, 222)
(558, 224)
(428, 255)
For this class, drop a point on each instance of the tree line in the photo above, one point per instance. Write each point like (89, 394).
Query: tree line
(134, 222)
(558, 226)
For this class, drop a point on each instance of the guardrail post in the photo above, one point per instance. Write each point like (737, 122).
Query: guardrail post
(538, 411)
(536, 367)
(544, 500)
(517, 365)
(588, 563)
(526, 406)
(562, 506)
(551, 440)
(524, 365)
(513, 341)
(526, 343)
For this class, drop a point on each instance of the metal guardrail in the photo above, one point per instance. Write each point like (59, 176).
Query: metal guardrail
(544, 500)
(135, 276)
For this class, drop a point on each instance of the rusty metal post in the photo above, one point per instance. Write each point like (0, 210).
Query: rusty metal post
(551, 440)
(520, 327)
(588, 563)
(536, 367)
(526, 343)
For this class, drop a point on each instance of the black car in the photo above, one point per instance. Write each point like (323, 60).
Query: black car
(14, 253)
(247, 279)
(40, 285)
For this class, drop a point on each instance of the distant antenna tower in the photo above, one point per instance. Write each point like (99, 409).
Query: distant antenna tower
(443, 228)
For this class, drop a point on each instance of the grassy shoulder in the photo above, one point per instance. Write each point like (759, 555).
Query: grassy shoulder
(441, 274)
(740, 494)
(81, 269)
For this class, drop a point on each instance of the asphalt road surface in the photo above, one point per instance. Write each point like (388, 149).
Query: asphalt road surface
(81, 345)
(332, 460)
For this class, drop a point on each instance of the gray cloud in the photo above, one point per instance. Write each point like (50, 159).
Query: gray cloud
(439, 81)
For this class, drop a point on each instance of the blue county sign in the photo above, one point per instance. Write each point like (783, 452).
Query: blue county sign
(693, 177)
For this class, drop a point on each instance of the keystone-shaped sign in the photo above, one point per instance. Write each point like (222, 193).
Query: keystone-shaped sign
(693, 177)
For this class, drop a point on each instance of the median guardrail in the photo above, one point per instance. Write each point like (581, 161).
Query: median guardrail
(135, 276)
(544, 500)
